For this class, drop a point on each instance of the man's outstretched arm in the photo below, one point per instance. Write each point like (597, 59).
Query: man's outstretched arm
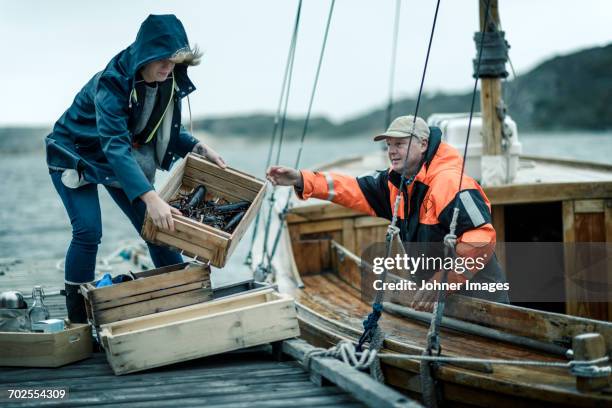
(337, 188)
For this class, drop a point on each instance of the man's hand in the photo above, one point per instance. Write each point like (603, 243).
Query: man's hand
(424, 299)
(159, 210)
(285, 176)
(204, 150)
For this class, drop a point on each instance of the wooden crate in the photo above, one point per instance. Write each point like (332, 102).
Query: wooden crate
(153, 291)
(200, 330)
(46, 349)
(195, 238)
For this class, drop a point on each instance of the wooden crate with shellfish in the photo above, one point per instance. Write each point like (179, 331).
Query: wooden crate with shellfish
(217, 206)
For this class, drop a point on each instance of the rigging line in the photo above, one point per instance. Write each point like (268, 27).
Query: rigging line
(433, 337)
(286, 80)
(305, 128)
(405, 167)
(398, 5)
(285, 84)
(370, 325)
(271, 199)
(431, 36)
(316, 82)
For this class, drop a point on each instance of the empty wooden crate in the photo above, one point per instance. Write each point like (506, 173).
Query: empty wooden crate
(46, 349)
(152, 291)
(200, 330)
(195, 238)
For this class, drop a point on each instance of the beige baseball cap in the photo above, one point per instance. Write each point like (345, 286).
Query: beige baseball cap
(403, 127)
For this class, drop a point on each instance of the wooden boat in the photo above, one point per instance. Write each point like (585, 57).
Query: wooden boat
(558, 200)
(317, 253)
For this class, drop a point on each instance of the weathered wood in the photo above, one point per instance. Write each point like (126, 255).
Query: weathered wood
(368, 222)
(319, 212)
(546, 326)
(569, 237)
(590, 346)
(228, 324)
(360, 385)
(46, 349)
(330, 310)
(499, 224)
(174, 182)
(588, 206)
(197, 239)
(154, 291)
(321, 226)
(547, 192)
(156, 305)
(153, 280)
(584, 221)
(476, 329)
(608, 229)
(246, 221)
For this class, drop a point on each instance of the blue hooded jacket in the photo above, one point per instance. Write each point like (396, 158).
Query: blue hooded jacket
(94, 136)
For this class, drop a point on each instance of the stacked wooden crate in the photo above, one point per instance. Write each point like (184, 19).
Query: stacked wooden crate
(152, 291)
(168, 315)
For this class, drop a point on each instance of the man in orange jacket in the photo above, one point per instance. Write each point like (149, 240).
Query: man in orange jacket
(426, 205)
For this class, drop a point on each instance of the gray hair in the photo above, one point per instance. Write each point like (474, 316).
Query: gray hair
(187, 56)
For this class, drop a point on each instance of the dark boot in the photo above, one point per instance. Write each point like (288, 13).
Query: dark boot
(75, 304)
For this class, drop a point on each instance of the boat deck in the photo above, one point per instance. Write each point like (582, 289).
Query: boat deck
(335, 308)
(246, 378)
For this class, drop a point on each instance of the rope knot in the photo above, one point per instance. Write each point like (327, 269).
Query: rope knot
(450, 241)
(372, 319)
(392, 231)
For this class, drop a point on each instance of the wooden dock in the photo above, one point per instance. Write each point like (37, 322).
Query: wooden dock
(248, 378)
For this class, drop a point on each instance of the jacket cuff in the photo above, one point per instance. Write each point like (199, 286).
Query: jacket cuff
(135, 194)
(308, 177)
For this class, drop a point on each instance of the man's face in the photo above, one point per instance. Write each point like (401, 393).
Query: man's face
(397, 149)
(157, 70)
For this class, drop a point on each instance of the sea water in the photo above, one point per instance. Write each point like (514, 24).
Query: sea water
(34, 224)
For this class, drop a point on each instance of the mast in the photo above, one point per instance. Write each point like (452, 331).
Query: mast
(494, 164)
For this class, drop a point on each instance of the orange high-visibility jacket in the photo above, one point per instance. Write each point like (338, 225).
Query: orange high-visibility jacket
(426, 215)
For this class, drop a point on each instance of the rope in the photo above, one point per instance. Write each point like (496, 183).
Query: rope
(366, 359)
(269, 256)
(345, 352)
(280, 116)
(431, 392)
(284, 96)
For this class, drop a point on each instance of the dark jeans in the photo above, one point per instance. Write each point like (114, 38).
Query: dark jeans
(83, 207)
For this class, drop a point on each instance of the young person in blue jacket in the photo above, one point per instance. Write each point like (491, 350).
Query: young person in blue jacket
(122, 126)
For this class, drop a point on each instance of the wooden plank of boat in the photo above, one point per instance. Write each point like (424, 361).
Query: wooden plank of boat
(363, 387)
(330, 310)
(205, 329)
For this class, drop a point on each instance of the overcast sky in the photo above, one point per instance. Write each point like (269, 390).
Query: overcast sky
(51, 48)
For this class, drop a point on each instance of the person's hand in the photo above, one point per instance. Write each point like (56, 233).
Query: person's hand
(206, 151)
(159, 210)
(423, 300)
(284, 176)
